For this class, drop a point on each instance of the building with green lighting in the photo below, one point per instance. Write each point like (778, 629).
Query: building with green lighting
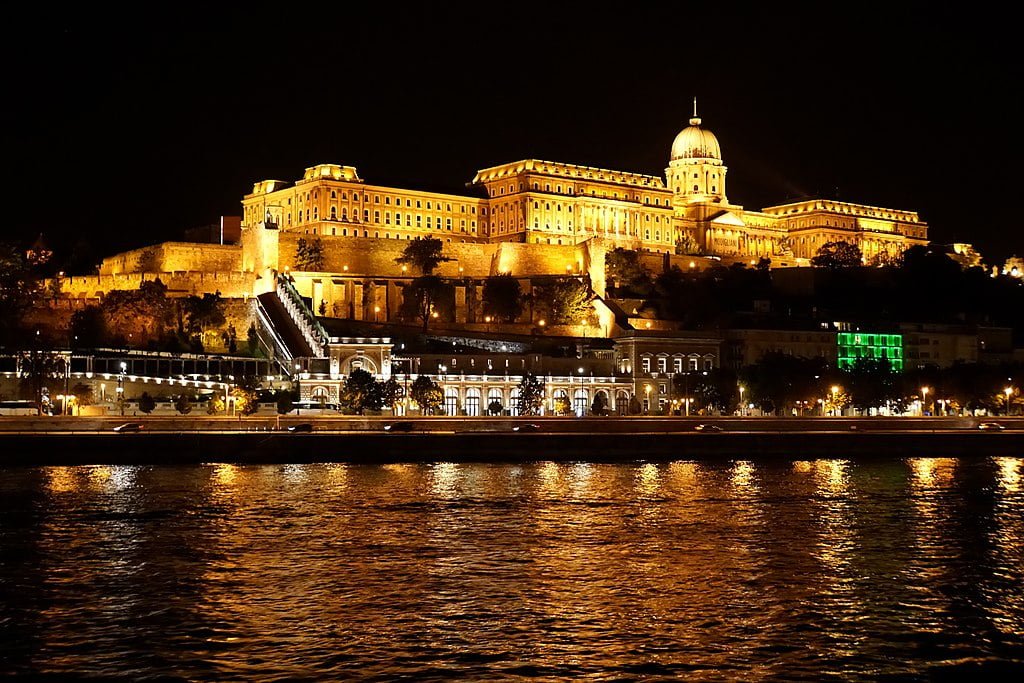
(874, 345)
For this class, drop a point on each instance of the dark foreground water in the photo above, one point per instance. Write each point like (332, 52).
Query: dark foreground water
(732, 571)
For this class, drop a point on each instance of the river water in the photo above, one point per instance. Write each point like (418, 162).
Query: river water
(816, 570)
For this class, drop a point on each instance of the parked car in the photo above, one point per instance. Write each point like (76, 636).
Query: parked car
(302, 427)
(526, 427)
(128, 427)
(707, 428)
(991, 427)
(399, 427)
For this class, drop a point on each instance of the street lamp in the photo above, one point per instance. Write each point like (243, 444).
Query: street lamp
(741, 399)
(647, 400)
(120, 386)
(835, 392)
(924, 399)
(581, 411)
(1009, 394)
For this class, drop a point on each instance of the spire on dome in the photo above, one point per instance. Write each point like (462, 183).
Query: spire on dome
(695, 121)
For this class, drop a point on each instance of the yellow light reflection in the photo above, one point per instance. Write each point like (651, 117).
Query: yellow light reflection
(932, 472)
(225, 474)
(648, 479)
(1009, 473)
(803, 466)
(444, 479)
(61, 479)
(831, 476)
(682, 474)
(99, 476)
(743, 476)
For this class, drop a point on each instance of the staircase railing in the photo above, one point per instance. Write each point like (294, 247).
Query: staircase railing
(312, 331)
(280, 348)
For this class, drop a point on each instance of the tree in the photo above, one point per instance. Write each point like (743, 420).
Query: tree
(427, 393)
(566, 299)
(245, 395)
(309, 255)
(361, 392)
(41, 374)
(19, 290)
(424, 255)
(562, 405)
(183, 405)
(83, 395)
(146, 403)
(600, 404)
(252, 340)
(531, 395)
(139, 316)
(422, 297)
(285, 400)
(215, 405)
(503, 298)
(203, 314)
(624, 269)
(390, 393)
(88, 327)
(494, 408)
(838, 255)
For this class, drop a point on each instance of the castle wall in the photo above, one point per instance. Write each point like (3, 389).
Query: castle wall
(229, 284)
(378, 257)
(169, 257)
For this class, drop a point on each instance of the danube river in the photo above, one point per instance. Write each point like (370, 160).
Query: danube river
(724, 571)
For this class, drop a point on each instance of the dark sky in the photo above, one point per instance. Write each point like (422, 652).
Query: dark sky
(125, 129)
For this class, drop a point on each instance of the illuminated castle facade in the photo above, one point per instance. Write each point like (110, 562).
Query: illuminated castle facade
(544, 202)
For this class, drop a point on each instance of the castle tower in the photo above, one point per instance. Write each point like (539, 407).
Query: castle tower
(695, 173)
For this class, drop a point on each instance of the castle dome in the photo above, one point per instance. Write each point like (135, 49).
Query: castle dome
(694, 142)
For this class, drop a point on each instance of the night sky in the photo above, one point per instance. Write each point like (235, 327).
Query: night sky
(124, 129)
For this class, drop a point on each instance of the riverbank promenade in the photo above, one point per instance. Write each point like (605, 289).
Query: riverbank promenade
(170, 440)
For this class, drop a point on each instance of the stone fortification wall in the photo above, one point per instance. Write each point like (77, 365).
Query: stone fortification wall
(376, 257)
(168, 257)
(229, 284)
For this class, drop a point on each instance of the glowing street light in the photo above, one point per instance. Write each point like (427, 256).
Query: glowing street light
(741, 387)
(835, 392)
(647, 392)
(924, 399)
(1009, 393)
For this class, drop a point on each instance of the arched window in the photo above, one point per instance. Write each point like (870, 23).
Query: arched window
(473, 402)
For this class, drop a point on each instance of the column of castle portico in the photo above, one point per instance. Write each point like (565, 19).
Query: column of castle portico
(394, 299)
(357, 301)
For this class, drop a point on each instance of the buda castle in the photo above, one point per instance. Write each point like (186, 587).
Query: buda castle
(552, 203)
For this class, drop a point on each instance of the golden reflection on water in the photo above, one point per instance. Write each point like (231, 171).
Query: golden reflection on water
(932, 472)
(737, 568)
(837, 547)
(832, 476)
(648, 480)
(444, 480)
(99, 475)
(743, 477)
(550, 475)
(1009, 474)
(62, 479)
(224, 474)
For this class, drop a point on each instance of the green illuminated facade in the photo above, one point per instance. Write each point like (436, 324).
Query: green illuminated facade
(854, 345)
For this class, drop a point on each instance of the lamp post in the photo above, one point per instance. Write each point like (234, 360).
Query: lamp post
(1009, 394)
(835, 393)
(647, 400)
(742, 411)
(924, 399)
(120, 386)
(583, 409)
